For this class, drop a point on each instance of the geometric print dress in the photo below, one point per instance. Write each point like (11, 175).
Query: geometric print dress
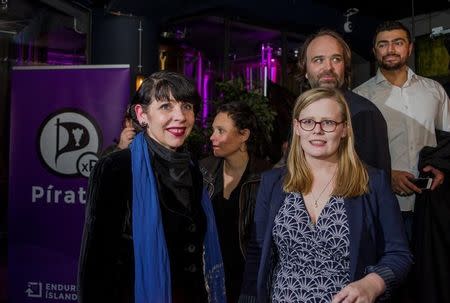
(313, 260)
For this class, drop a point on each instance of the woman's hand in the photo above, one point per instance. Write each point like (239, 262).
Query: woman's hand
(365, 290)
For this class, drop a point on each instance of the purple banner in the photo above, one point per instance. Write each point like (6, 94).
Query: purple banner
(61, 119)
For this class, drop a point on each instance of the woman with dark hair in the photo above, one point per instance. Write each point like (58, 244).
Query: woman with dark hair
(232, 177)
(150, 233)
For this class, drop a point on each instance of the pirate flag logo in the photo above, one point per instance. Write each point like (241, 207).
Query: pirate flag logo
(69, 141)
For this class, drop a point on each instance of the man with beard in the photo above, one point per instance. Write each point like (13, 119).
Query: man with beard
(413, 107)
(325, 61)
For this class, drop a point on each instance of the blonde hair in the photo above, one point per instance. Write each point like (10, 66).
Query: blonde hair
(352, 178)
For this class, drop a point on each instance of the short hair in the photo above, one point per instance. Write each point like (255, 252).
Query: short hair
(160, 86)
(352, 177)
(302, 60)
(390, 26)
(243, 118)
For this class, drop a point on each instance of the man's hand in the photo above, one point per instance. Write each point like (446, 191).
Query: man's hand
(126, 136)
(401, 183)
(365, 290)
(438, 178)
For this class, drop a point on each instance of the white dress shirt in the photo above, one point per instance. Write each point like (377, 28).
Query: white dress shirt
(412, 113)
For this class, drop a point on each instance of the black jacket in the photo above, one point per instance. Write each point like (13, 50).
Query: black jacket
(211, 167)
(370, 130)
(106, 265)
(431, 229)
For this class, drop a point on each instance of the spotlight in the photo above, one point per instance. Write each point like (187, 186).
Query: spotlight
(348, 25)
(3, 5)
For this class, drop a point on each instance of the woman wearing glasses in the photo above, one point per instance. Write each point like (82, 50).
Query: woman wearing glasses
(327, 228)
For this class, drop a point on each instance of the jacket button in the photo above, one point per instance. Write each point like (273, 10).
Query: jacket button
(191, 268)
(191, 248)
(192, 228)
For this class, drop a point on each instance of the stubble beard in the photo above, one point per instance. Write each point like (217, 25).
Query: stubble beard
(392, 66)
(336, 83)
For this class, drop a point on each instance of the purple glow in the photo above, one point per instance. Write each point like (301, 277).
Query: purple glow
(268, 61)
(59, 47)
(60, 58)
(193, 67)
(205, 95)
(199, 74)
(273, 71)
(202, 88)
(188, 62)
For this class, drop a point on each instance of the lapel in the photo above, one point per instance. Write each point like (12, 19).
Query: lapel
(355, 216)
(276, 201)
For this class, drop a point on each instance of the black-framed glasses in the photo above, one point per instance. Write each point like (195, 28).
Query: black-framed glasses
(327, 126)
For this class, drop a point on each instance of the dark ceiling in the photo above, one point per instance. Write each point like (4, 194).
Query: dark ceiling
(297, 18)
(379, 9)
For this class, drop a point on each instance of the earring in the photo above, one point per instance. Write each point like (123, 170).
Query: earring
(144, 125)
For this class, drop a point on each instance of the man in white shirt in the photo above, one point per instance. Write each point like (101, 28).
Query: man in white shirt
(413, 107)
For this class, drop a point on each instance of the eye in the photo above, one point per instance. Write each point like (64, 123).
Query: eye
(188, 106)
(318, 60)
(382, 45)
(307, 122)
(398, 43)
(328, 122)
(216, 131)
(337, 59)
(165, 106)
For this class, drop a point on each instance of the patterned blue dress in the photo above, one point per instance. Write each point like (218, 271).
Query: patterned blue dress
(313, 260)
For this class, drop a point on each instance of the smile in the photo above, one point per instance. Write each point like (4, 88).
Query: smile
(318, 142)
(177, 131)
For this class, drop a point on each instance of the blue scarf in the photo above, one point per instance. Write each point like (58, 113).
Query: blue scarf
(151, 259)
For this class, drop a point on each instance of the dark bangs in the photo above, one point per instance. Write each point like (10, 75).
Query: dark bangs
(181, 89)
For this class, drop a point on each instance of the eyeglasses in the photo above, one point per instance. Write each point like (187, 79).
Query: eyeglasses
(327, 126)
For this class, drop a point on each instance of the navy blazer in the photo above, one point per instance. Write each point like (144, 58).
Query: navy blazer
(378, 241)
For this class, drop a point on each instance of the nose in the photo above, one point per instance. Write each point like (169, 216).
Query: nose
(179, 113)
(391, 47)
(317, 128)
(212, 137)
(328, 64)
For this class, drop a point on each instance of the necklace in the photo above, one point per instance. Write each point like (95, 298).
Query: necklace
(316, 200)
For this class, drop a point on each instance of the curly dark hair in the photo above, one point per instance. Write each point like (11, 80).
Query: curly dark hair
(243, 118)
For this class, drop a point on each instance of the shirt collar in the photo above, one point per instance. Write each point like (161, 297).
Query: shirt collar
(379, 77)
